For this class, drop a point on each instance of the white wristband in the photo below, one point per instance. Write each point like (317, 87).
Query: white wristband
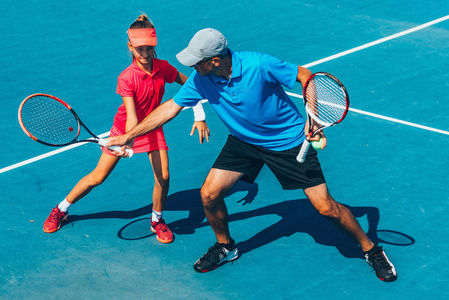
(198, 112)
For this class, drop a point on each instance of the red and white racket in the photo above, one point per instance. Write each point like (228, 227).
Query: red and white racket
(326, 102)
(51, 121)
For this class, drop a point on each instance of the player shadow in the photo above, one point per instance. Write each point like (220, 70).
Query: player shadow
(188, 200)
(296, 216)
(299, 216)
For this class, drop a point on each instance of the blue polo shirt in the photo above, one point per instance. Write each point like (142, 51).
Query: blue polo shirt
(252, 103)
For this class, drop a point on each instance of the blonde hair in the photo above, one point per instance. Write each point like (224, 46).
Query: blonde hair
(142, 21)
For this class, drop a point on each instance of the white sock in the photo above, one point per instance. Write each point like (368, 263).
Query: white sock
(64, 205)
(156, 216)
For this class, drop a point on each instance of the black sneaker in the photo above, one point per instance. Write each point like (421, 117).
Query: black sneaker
(377, 258)
(216, 256)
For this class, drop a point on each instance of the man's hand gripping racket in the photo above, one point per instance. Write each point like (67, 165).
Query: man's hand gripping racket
(50, 121)
(326, 102)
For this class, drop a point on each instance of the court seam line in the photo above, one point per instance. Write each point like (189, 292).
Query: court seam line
(326, 59)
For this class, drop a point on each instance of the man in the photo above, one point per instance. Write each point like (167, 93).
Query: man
(245, 90)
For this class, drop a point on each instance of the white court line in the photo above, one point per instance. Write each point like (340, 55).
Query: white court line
(379, 41)
(386, 118)
(51, 153)
(326, 59)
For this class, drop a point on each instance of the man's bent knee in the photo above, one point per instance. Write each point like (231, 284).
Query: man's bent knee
(207, 196)
(329, 208)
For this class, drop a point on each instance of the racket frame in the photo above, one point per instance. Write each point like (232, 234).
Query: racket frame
(80, 123)
(310, 116)
(94, 139)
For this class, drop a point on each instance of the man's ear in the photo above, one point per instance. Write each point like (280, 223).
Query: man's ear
(216, 61)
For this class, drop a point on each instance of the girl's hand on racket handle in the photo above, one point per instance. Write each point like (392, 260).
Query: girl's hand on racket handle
(123, 141)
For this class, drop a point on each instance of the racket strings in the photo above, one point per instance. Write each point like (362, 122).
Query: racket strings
(326, 100)
(49, 120)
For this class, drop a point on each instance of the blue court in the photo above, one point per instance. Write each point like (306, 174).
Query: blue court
(387, 161)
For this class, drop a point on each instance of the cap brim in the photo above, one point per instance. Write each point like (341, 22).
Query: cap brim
(188, 59)
(144, 41)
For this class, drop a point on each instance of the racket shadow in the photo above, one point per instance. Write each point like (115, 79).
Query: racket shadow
(189, 201)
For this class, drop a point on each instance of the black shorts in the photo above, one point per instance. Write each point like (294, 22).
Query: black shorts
(248, 159)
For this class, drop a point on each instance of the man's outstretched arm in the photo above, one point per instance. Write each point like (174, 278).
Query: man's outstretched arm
(158, 117)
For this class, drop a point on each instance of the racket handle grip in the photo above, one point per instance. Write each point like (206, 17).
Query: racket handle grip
(103, 142)
(303, 152)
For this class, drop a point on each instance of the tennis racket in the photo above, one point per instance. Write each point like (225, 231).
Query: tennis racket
(327, 103)
(50, 121)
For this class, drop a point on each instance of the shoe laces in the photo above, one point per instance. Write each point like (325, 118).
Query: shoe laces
(56, 214)
(213, 251)
(162, 226)
(379, 260)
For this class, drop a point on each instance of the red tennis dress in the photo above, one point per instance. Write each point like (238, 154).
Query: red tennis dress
(147, 92)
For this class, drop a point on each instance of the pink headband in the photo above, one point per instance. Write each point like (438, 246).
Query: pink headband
(142, 37)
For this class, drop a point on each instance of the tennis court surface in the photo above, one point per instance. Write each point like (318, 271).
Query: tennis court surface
(387, 161)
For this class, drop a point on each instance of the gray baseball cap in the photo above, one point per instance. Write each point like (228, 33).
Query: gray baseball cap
(206, 43)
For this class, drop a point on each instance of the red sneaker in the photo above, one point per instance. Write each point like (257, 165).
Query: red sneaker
(164, 234)
(54, 220)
